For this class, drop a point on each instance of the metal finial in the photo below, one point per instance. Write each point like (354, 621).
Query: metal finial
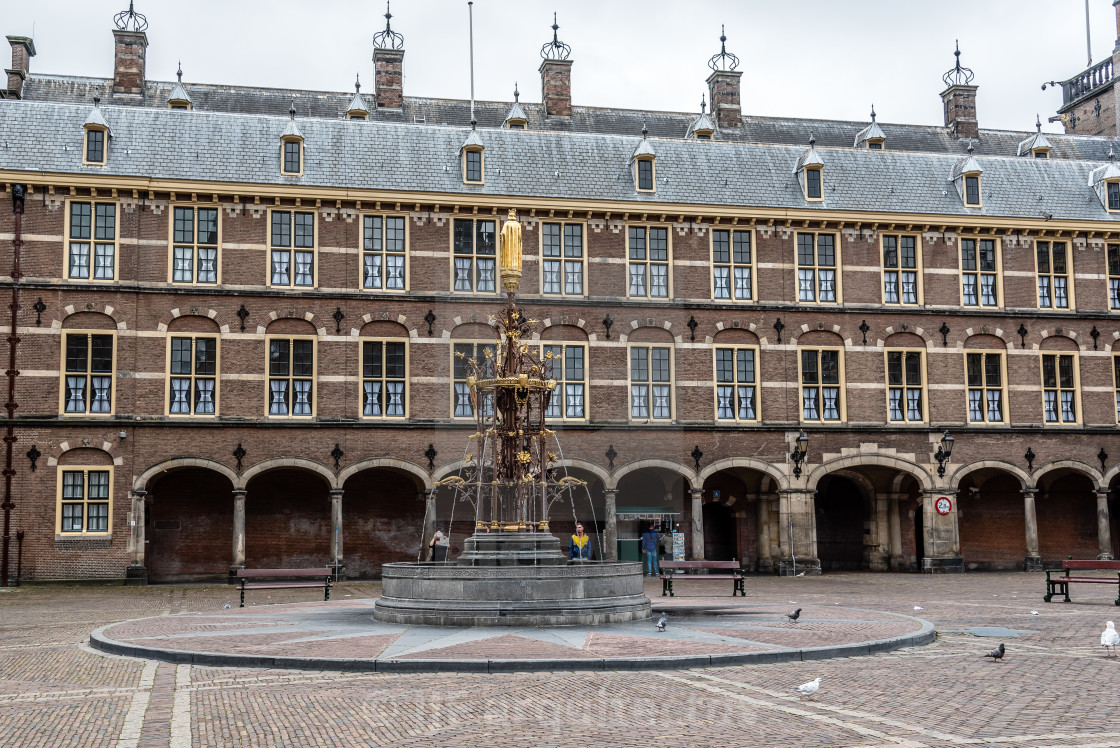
(703, 104)
(971, 147)
(1037, 123)
(357, 83)
(292, 109)
(179, 72)
(1111, 153)
(516, 93)
(724, 60)
(388, 39)
(645, 131)
(958, 76)
(97, 100)
(130, 17)
(555, 49)
(872, 112)
(812, 140)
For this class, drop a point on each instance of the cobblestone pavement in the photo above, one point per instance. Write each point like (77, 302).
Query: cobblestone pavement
(1056, 687)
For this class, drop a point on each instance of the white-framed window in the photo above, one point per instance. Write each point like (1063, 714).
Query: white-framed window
(192, 382)
(987, 386)
(292, 249)
(384, 378)
(194, 245)
(1059, 388)
(980, 273)
(384, 252)
(474, 248)
(822, 389)
(732, 265)
(901, 270)
(651, 382)
(291, 376)
(817, 268)
(1114, 277)
(1052, 265)
(462, 399)
(85, 501)
(737, 384)
(648, 266)
(905, 386)
(92, 245)
(562, 259)
(567, 364)
(89, 373)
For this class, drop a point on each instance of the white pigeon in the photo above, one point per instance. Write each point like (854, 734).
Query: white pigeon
(1034, 612)
(918, 607)
(662, 622)
(226, 606)
(808, 689)
(1109, 639)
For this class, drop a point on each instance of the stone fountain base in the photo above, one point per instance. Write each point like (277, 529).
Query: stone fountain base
(440, 594)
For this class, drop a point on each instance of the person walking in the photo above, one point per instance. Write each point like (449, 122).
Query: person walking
(579, 547)
(651, 546)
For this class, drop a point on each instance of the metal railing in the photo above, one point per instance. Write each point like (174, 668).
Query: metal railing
(1086, 81)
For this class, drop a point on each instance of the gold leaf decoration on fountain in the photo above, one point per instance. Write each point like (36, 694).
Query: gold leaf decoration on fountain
(510, 258)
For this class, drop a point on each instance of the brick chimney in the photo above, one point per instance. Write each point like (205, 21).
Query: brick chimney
(959, 98)
(23, 49)
(388, 78)
(130, 51)
(556, 76)
(723, 91)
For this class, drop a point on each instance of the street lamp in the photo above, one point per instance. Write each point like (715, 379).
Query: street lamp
(800, 449)
(944, 451)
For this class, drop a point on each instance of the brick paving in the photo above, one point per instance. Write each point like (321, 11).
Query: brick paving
(1053, 690)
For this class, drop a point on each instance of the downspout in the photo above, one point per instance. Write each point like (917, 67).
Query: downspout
(12, 373)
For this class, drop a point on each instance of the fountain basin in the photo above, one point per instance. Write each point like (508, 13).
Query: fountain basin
(447, 594)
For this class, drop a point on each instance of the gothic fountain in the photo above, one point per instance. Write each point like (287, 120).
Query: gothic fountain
(513, 570)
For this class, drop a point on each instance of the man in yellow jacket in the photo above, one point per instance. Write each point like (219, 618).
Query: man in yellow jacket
(579, 548)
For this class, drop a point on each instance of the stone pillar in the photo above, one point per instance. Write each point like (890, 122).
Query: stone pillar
(137, 572)
(238, 531)
(765, 559)
(1033, 561)
(942, 536)
(610, 539)
(878, 556)
(894, 508)
(697, 524)
(429, 498)
(799, 539)
(1104, 533)
(336, 532)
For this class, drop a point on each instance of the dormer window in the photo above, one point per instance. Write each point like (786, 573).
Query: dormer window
(1036, 145)
(966, 177)
(358, 108)
(645, 174)
(701, 127)
(473, 157)
(179, 98)
(516, 119)
(972, 190)
(1113, 196)
(1105, 181)
(95, 150)
(810, 172)
(291, 147)
(871, 137)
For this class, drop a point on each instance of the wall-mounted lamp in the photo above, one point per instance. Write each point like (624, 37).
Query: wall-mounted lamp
(944, 451)
(800, 449)
(122, 434)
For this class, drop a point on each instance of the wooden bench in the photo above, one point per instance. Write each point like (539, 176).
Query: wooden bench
(287, 577)
(1059, 584)
(735, 573)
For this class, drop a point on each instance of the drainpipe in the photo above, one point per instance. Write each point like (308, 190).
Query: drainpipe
(10, 406)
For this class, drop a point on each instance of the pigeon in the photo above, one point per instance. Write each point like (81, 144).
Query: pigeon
(226, 606)
(918, 607)
(801, 574)
(808, 689)
(997, 653)
(794, 615)
(1034, 612)
(1109, 639)
(662, 622)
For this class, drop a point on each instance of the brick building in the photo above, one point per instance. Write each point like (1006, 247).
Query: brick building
(241, 309)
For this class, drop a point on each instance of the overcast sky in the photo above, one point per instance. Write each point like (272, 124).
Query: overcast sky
(828, 59)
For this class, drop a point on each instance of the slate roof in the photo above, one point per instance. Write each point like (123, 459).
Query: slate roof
(208, 146)
(599, 120)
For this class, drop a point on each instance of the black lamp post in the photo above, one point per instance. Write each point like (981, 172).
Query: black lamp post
(944, 451)
(800, 449)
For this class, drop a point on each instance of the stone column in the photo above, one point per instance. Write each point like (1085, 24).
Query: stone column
(1104, 532)
(137, 572)
(697, 524)
(878, 557)
(610, 530)
(238, 531)
(942, 535)
(429, 498)
(799, 540)
(1033, 561)
(765, 560)
(894, 508)
(336, 532)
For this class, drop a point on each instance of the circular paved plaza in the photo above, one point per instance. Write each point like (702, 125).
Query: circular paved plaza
(1055, 687)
